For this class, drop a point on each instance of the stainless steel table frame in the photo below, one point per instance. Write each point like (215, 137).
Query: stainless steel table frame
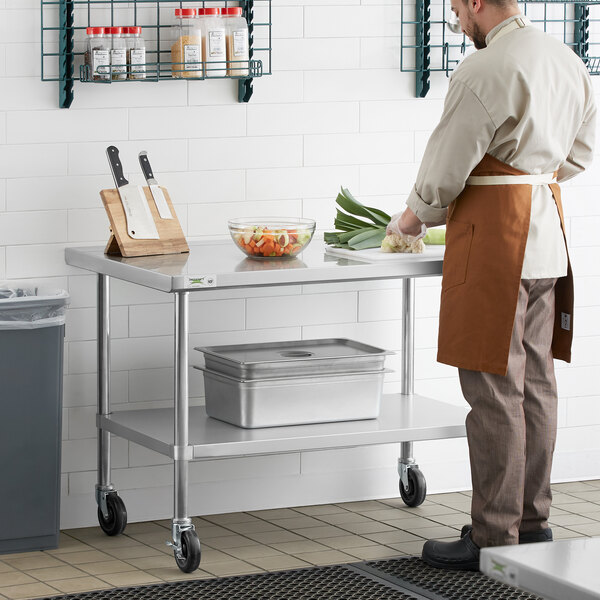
(186, 434)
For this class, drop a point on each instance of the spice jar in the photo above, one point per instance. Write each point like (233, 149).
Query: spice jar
(236, 32)
(186, 51)
(118, 54)
(136, 53)
(126, 36)
(97, 54)
(213, 42)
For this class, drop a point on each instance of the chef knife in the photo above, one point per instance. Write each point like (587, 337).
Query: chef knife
(157, 193)
(140, 223)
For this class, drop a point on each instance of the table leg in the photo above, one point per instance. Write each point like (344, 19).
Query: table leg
(408, 355)
(111, 514)
(182, 527)
(181, 432)
(412, 482)
(103, 378)
(408, 336)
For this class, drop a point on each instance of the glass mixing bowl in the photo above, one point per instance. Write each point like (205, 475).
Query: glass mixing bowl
(271, 237)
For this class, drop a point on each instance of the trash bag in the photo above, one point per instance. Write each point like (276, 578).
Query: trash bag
(32, 308)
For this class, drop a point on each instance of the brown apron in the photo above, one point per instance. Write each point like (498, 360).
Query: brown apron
(486, 234)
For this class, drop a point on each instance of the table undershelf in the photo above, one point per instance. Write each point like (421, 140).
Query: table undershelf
(402, 419)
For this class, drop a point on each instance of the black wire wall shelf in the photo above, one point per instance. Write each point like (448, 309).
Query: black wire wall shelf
(428, 46)
(63, 33)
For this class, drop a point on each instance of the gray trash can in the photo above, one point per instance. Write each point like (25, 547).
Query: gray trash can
(31, 368)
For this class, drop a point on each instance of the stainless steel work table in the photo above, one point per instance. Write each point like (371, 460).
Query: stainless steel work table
(563, 570)
(186, 434)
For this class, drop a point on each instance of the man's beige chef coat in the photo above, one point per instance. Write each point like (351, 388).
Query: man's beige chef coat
(503, 103)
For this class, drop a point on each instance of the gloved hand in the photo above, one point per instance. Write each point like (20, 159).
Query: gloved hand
(409, 226)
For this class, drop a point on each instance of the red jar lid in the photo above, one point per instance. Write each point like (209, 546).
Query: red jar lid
(132, 29)
(113, 30)
(232, 11)
(185, 12)
(95, 30)
(208, 11)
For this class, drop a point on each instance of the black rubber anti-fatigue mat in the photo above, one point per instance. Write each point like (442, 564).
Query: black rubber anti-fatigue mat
(319, 583)
(393, 579)
(440, 584)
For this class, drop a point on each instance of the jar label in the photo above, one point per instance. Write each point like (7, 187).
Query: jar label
(240, 43)
(119, 60)
(138, 58)
(216, 44)
(101, 58)
(191, 54)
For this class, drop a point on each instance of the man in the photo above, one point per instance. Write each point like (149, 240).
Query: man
(518, 113)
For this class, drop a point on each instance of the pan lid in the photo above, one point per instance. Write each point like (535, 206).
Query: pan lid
(297, 350)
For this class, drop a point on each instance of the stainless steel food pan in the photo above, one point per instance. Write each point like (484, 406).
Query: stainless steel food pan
(293, 359)
(294, 400)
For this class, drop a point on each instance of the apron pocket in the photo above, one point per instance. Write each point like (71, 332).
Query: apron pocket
(456, 258)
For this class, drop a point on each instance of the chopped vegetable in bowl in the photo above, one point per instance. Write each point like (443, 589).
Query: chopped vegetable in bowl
(271, 238)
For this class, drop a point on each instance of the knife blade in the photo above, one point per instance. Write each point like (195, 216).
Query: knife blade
(140, 223)
(157, 193)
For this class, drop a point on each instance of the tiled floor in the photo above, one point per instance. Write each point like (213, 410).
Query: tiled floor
(267, 540)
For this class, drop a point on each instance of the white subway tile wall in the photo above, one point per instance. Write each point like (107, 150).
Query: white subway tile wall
(81, 390)
(336, 111)
(2, 58)
(588, 291)
(2, 115)
(48, 126)
(15, 66)
(32, 160)
(298, 118)
(187, 122)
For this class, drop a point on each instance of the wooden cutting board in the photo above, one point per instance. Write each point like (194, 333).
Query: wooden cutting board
(172, 240)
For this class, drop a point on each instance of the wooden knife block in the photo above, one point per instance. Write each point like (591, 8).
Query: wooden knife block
(172, 240)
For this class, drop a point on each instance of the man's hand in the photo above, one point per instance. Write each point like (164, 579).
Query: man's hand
(406, 223)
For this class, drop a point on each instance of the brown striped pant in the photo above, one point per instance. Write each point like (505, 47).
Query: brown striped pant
(511, 427)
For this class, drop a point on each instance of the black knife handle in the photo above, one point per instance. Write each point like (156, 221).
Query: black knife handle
(145, 164)
(115, 166)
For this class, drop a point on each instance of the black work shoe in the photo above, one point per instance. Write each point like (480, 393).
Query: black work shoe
(527, 537)
(532, 537)
(460, 555)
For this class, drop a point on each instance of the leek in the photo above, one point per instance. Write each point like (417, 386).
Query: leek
(360, 227)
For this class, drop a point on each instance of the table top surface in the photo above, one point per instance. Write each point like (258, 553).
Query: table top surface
(220, 264)
(561, 570)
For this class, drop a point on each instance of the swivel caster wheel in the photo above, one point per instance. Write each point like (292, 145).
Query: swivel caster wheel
(115, 522)
(189, 557)
(415, 493)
